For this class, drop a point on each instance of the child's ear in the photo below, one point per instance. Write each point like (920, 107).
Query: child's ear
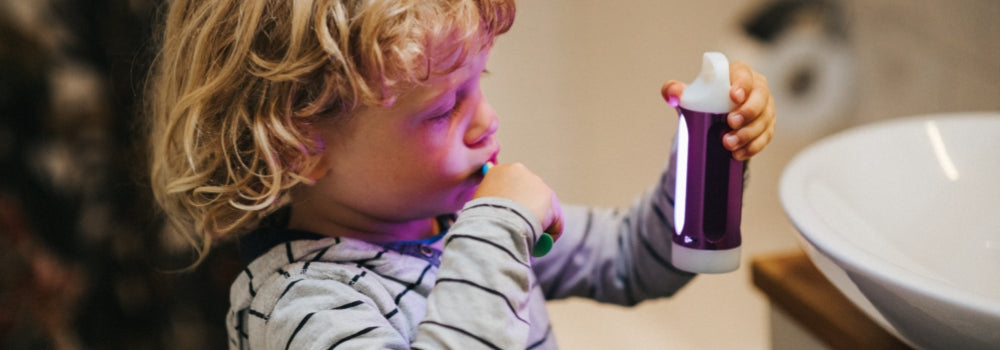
(319, 169)
(320, 162)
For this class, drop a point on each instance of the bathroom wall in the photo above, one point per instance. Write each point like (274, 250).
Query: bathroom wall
(576, 83)
(926, 56)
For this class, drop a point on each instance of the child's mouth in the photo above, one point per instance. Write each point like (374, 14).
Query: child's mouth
(492, 161)
(493, 157)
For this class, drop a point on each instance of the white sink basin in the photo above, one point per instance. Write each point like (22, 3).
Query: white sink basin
(903, 217)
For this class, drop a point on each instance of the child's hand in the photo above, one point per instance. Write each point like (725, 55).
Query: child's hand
(753, 118)
(515, 182)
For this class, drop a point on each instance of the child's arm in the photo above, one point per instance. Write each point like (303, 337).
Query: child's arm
(624, 256)
(616, 256)
(482, 295)
(339, 291)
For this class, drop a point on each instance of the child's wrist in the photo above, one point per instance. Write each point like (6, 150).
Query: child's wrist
(509, 211)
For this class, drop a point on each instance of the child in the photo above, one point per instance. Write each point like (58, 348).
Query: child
(342, 142)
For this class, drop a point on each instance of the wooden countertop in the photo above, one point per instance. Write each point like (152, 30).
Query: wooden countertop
(793, 283)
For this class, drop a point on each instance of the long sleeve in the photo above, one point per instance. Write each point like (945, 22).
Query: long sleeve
(348, 294)
(485, 292)
(321, 314)
(482, 294)
(616, 256)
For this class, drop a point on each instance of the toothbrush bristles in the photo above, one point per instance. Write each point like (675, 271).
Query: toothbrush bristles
(486, 168)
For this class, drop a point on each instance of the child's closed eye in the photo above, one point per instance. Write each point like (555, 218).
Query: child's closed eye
(439, 116)
(445, 115)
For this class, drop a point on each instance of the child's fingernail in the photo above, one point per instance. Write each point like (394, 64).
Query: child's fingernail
(543, 246)
(732, 140)
(740, 95)
(736, 119)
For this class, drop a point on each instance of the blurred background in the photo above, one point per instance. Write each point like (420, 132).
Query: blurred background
(576, 82)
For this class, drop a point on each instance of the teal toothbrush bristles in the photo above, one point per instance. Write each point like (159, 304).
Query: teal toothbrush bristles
(545, 242)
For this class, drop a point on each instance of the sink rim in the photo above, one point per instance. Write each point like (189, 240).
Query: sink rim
(847, 255)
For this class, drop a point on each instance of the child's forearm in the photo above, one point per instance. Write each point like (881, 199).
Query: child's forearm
(484, 283)
(617, 256)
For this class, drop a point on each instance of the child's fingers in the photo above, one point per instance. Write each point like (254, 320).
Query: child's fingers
(748, 112)
(751, 139)
(750, 93)
(752, 129)
(741, 78)
(736, 139)
(516, 182)
(754, 147)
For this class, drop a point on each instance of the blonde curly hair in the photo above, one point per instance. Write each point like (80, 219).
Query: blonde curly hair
(237, 82)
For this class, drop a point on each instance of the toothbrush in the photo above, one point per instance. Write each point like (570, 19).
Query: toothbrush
(545, 242)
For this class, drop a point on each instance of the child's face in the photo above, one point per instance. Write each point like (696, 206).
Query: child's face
(419, 158)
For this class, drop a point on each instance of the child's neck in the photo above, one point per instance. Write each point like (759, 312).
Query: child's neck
(364, 228)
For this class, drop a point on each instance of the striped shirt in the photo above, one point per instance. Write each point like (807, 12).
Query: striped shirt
(483, 292)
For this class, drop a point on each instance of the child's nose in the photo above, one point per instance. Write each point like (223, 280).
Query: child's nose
(483, 125)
